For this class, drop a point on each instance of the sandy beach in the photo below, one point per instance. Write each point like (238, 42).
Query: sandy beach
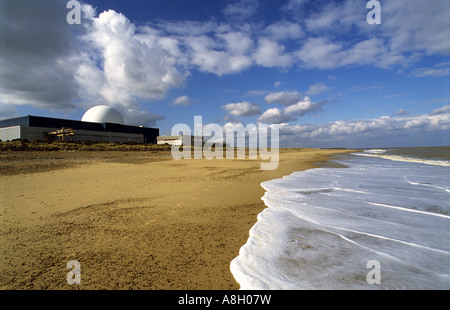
(134, 220)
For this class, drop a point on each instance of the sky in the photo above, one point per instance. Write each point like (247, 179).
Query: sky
(318, 69)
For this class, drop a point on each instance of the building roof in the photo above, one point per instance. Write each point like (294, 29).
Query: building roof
(102, 114)
(150, 134)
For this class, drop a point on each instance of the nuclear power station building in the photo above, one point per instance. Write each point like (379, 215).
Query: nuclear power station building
(98, 124)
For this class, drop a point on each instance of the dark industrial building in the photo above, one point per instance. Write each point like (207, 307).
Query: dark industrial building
(41, 128)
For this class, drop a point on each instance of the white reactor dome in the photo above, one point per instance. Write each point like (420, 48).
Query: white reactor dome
(102, 114)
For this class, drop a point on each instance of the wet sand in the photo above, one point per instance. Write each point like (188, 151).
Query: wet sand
(134, 220)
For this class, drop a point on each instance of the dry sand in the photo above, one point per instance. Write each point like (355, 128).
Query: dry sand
(133, 220)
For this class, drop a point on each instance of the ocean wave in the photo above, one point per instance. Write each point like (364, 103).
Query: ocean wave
(406, 159)
(321, 227)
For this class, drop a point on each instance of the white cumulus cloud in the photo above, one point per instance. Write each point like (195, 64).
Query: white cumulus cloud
(384, 131)
(284, 98)
(303, 107)
(272, 54)
(274, 116)
(184, 101)
(291, 111)
(131, 67)
(242, 109)
(317, 89)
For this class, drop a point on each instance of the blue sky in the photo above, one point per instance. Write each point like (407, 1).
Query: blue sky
(316, 68)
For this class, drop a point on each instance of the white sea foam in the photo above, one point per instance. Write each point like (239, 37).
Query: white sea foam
(375, 151)
(380, 153)
(323, 225)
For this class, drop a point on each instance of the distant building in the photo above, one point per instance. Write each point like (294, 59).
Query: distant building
(179, 140)
(99, 124)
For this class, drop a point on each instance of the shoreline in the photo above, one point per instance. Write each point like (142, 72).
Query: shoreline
(322, 226)
(132, 220)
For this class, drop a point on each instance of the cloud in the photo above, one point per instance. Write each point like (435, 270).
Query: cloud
(409, 29)
(129, 64)
(320, 53)
(385, 131)
(236, 42)
(317, 89)
(208, 46)
(242, 109)
(49, 64)
(367, 52)
(294, 6)
(323, 19)
(188, 27)
(257, 92)
(431, 72)
(337, 16)
(184, 101)
(436, 100)
(414, 25)
(241, 10)
(36, 68)
(271, 54)
(284, 98)
(303, 107)
(401, 112)
(8, 110)
(315, 41)
(139, 117)
(443, 110)
(290, 112)
(274, 116)
(126, 66)
(209, 56)
(283, 30)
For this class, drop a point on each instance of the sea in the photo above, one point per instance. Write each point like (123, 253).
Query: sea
(374, 219)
